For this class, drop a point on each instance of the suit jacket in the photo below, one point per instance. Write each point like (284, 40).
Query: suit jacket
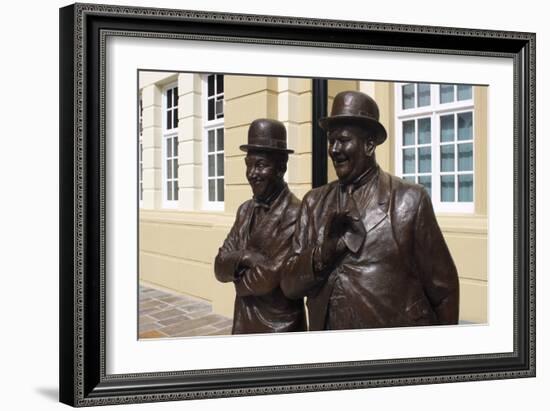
(402, 275)
(260, 305)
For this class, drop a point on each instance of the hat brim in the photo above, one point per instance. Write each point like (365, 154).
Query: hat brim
(380, 134)
(246, 147)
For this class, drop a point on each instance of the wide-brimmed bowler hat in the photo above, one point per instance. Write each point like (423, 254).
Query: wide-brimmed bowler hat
(265, 134)
(354, 107)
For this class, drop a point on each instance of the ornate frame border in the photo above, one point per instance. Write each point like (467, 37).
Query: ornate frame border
(83, 32)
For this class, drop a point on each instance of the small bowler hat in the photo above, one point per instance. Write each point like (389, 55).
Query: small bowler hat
(266, 135)
(354, 107)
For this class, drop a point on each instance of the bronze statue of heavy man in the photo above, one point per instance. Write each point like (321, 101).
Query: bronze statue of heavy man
(368, 251)
(259, 242)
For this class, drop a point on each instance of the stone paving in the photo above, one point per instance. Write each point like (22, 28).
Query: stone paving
(169, 314)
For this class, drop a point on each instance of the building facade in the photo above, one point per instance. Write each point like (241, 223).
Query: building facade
(192, 174)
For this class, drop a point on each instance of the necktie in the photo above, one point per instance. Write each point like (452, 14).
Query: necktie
(355, 234)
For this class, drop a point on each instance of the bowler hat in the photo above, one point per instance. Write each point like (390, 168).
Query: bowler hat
(266, 135)
(354, 107)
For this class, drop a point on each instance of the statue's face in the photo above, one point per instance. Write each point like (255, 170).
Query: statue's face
(351, 152)
(263, 174)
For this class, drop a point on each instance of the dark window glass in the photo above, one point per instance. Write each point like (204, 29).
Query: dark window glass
(211, 146)
(211, 190)
(220, 189)
(465, 131)
(220, 139)
(464, 92)
(211, 165)
(220, 85)
(211, 113)
(169, 98)
(423, 95)
(219, 107)
(447, 158)
(448, 188)
(211, 85)
(408, 133)
(169, 169)
(447, 128)
(408, 96)
(426, 181)
(424, 130)
(446, 93)
(465, 188)
(220, 164)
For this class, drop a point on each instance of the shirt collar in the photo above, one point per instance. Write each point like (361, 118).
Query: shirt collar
(368, 176)
(271, 200)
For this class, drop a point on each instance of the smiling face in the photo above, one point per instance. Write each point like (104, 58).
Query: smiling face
(264, 172)
(351, 151)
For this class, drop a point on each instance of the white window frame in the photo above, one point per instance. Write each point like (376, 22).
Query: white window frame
(435, 110)
(168, 134)
(207, 126)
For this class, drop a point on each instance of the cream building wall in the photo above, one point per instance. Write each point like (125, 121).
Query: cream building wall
(178, 246)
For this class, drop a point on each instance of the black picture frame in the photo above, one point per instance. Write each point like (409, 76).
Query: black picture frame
(83, 27)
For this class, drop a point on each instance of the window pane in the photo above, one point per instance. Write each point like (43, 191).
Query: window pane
(408, 133)
(219, 107)
(426, 181)
(447, 128)
(448, 188)
(210, 85)
(448, 157)
(466, 157)
(408, 96)
(409, 178)
(446, 93)
(425, 160)
(175, 97)
(219, 85)
(211, 141)
(423, 95)
(168, 119)
(424, 131)
(169, 98)
(466, 188)
(176, 190)
(211, 165)
(464, 92)
(175, 164)
(220, 139)
(408, 161)
(220, 164)
(175, 148)
(211, 190)
(169, 147)
(220, 189)
(465, 126)
(169, 169)
(211, 114)
(169, 190)
(176, 118)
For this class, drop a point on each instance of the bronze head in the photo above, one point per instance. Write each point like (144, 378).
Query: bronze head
(266, 158)
(353, 132)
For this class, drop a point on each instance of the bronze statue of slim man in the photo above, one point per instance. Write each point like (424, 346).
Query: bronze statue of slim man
(253, 254)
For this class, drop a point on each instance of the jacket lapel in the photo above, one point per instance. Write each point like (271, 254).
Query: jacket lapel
(377, 209)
